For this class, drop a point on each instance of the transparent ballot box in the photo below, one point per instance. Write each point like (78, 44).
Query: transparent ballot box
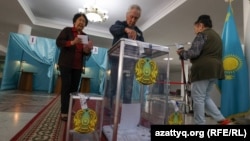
(90, 128)
(175, 109)
(136, 69)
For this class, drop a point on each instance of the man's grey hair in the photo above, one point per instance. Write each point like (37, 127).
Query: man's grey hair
(134, 6)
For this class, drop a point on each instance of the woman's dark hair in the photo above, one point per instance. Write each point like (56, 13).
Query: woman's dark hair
(205, 19)
(77, 15)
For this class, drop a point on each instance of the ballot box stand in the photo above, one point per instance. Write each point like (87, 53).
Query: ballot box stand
(99, 104)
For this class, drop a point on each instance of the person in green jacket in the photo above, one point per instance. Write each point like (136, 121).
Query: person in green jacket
(205, 54)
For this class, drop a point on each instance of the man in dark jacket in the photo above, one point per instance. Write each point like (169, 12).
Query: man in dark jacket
(125, 29)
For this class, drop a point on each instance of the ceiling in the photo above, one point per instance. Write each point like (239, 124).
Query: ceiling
(163, 22)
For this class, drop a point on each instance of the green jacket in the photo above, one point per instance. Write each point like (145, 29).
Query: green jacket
(205, 55)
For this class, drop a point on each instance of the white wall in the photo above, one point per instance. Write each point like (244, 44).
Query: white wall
(175, 77)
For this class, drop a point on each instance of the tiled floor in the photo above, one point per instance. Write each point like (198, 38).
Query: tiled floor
(18, 107)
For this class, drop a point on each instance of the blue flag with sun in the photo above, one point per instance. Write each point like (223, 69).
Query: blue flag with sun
(234, 88)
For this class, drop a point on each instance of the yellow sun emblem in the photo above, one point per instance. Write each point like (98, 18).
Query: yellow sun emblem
(231, 64)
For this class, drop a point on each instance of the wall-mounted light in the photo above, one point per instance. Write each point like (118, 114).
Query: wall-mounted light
(22, 65)
(168, 58)
(228, 0)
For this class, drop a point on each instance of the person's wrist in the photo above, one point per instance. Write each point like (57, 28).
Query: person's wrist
(72, 43)
(87, 50)
(126, 29)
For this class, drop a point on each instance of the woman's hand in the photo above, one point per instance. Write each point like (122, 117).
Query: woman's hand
(88, 47)
(179, 51)
(76, 41)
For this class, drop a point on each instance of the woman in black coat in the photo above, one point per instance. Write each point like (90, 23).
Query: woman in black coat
(73, 54)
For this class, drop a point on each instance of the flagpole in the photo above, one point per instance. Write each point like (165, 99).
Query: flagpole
(229, 1)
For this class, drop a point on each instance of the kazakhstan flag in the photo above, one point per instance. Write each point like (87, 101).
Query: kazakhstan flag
(234, 88)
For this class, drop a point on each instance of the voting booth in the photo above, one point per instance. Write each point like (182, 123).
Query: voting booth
(31, 65)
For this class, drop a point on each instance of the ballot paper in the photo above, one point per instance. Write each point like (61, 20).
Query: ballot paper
(84, 38)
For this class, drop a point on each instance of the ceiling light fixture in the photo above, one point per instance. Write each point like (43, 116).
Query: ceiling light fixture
(94, 13)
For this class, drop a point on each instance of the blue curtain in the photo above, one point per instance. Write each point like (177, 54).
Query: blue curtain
(97, 67)
(39, 55)
(31, 54)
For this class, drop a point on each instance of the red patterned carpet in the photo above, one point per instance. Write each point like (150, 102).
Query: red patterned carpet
(46, 125)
